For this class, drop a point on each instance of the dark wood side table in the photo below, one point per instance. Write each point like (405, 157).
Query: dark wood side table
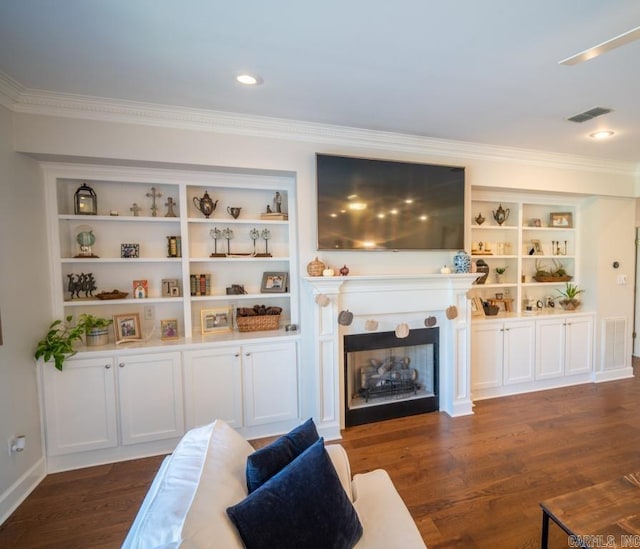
(599, 515)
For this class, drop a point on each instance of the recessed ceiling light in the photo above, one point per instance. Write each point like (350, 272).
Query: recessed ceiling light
(602, 134)
(249, 79)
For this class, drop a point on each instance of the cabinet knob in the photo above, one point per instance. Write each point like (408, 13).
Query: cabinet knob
(121, 365)
(237, 355)
(107, 366)
(247, 354)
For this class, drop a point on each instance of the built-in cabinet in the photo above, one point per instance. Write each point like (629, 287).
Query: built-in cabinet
(503, 353)
(246, 385)
(563, 346)
(527, 354)
(149, 227)
(93, 399)
(127, 399)
(540, 233)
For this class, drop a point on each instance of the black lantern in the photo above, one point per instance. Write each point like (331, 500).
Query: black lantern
(85, 201)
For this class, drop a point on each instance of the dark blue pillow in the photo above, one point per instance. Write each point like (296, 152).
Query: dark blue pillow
(302, 506)
(266, 462)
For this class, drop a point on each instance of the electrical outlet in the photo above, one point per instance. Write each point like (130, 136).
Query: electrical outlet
(149, 312)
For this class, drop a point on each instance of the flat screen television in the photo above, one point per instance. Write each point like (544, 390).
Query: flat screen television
(366, 204)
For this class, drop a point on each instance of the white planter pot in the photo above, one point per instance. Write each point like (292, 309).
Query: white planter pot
(97, 337)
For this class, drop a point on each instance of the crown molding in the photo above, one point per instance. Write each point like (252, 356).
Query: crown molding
(10, 91)
(28, 101)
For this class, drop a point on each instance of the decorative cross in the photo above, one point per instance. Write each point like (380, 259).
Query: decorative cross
(135, 209)
(170, 204)
(153, 195)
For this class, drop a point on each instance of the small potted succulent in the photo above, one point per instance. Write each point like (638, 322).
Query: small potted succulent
(569, 297)
(500, 274)
(96, 329)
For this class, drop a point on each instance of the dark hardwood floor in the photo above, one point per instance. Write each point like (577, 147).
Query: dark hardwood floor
(472, 481)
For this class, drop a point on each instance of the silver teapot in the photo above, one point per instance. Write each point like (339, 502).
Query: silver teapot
(501, 215)
(205, 204)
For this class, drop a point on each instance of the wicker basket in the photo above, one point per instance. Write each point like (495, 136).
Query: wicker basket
(258, 323)
(565, 278)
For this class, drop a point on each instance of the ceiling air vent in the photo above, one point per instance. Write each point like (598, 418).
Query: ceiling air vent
(588, 115)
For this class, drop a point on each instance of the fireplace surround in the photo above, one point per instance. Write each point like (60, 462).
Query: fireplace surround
(388, 301)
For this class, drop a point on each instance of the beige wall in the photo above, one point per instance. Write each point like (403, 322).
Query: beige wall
(25, 308)
(608, 234)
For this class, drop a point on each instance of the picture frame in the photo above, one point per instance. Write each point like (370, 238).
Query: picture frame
(169, 328)
(127, 327)
(477, 308)
(561, 220)
(216, 320)
(129, 251)
(170, 287)
(274, 282)
(537, 247)
(140, 289)
(535, 222)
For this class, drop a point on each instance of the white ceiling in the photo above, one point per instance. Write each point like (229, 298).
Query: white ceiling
(483, 71)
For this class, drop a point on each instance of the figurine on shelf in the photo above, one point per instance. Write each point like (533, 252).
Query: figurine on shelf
(479, 219)
(170, 204)
(266, 234)
(228, 234)
(135, 209)
(254, 234)
(153, 195)
(277, 202)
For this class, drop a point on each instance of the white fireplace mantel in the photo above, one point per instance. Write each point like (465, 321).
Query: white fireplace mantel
(390, 300)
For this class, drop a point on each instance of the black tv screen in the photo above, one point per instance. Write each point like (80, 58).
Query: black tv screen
(368, 204)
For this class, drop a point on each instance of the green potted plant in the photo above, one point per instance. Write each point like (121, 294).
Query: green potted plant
(569, 297)
(57, 344)
(96, 329)
(500, 274)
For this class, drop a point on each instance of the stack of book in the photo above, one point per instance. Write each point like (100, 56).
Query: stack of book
(200, 284)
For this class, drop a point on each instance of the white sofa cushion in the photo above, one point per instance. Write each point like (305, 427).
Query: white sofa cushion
(386, 521)
(222, 483)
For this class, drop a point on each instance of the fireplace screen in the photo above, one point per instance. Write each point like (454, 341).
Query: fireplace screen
(388, 377)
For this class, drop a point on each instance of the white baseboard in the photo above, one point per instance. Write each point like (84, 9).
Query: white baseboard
(612, 375)
(20, 489)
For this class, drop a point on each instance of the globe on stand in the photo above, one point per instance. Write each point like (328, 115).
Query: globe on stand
(85, 240)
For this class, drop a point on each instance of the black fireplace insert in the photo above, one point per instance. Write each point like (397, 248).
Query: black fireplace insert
(388, 377)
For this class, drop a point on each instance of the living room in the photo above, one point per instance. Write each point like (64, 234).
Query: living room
(39, 127)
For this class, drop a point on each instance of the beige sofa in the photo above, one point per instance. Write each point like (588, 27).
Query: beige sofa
(186, 504)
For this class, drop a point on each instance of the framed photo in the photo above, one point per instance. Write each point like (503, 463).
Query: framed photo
(140, 289)
(129, 250)
(537, 247)
(535, 222)
(169, 328)
(127, 327)
(170, 287)
(476, 307)
(563, 220)
(274, 282)
(216, 320)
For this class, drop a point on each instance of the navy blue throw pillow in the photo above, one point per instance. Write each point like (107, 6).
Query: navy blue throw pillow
(266, 462)
(302, 506)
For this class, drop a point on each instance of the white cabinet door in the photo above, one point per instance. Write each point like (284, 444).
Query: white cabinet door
(550, 348)
(270, 377)
(213, 386)
(79, 406)
(486, 355)
(578, 345)
(150, 390)
(519, 350)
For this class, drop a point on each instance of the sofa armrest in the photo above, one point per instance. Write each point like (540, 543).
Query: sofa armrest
(386, 521)
(340, 461)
